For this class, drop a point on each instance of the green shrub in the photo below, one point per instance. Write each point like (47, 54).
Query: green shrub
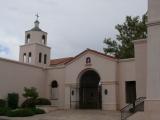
(42, 101)
(13, 99)
(20, 113)
(38, 111)
(29, 103)
(30, 93)
(2, 103)
(3, 111)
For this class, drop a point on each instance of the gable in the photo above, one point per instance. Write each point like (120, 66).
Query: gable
(90, 52)
(69, 60)
(105, 66)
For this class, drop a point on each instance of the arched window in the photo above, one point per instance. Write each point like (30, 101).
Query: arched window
(43, 39)
(54, 89)
(40, 57)
(54, 84)
(88, 60)
(45, 59)
(30, 57)
(28, 38)
(24, 58)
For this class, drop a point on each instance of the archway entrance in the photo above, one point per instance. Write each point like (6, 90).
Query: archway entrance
(90, 90)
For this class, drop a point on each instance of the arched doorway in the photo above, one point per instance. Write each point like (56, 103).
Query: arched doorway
(90, 90)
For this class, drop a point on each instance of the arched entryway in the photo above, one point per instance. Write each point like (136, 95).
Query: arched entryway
(90, 90)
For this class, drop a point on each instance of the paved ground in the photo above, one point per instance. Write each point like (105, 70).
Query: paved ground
(74, 115)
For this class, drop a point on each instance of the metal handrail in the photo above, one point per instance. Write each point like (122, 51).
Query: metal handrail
(128, 110)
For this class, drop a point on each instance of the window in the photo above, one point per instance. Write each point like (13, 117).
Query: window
(28, 38)
(88, 60)
(45, 59)
(29, 57)
(24, 58)
(40, 57)
(54, 84)
(54, 89)
(43, 39)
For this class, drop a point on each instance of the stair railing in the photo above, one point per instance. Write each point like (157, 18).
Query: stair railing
(130, 109)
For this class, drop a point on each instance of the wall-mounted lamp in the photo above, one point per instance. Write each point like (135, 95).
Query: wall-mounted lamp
(72, 92)
(105, 91)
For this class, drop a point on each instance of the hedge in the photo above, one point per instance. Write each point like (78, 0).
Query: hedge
(3, 111)
(24, 112)
(20, 113)
(13, 99)
(29, 103)
(42, 101)
(2, 103)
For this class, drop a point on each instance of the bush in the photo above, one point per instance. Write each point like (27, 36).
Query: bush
(30, 93)
(23, 112)
(2, 103)
(3, 111)
(29, 103)
(13, 99)
(20, 113)
(38, 111)
(42, 101)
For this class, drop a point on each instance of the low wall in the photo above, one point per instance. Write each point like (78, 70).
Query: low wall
(14, 76)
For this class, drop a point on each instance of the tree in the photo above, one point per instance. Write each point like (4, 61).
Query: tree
(30, 93)
(133, 28)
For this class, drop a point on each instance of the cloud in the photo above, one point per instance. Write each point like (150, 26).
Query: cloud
(72, 25)
(9, 46)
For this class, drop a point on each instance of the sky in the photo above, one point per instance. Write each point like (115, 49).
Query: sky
(72, 25)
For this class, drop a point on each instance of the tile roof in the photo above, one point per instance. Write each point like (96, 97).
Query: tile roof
(60, 61)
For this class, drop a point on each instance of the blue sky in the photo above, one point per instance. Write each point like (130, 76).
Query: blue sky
(4, 50)
(72, 25)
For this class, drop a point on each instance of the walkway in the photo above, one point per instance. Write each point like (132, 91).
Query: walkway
(74, 115)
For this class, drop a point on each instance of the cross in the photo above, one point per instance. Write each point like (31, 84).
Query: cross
(37, 16)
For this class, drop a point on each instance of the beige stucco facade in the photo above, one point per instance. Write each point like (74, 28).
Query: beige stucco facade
(113, 74)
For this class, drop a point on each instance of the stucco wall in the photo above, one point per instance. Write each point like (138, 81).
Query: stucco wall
(126, 72)
(107, 70)
(58, 74)
(152, 104)
(113, 75)
(141, 66)
(104, 67)
(14, 76)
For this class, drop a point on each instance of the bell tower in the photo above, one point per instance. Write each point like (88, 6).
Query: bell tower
(35, 50)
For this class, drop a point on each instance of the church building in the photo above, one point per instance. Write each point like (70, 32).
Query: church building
(91, 79)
